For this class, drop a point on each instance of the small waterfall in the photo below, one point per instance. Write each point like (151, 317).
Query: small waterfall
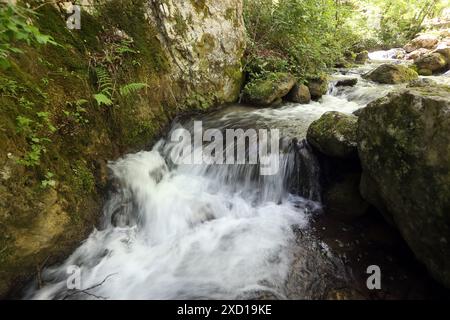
(305, 174)
(386, 54)
(190, 231)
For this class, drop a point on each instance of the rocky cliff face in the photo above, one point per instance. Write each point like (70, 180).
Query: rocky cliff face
(188, 53)
(205, 41)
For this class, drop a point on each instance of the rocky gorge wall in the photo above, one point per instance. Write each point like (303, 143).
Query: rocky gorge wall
(56, 139)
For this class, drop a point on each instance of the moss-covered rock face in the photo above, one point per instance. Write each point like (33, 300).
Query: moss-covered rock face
(207, 53)
(392, 74)
(269, 90)
(432, 62)
(404, 147)
(55, 139)
(334, 134)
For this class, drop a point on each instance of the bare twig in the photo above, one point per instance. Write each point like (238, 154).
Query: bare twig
(86, 291)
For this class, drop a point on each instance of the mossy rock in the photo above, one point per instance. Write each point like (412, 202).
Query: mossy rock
(433, 62)
(268, 90)
(404, 147)
(299, 94)
(318, 87)
(444, 52)
(391, 74)
(362, 57)
(425, 72)
(334, 134)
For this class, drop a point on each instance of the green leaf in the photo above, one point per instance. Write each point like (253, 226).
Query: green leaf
(102, 99)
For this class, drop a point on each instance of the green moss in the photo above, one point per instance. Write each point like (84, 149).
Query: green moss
(425, 72)
(180, 26)
(200, 6)
(205, 45)
(200, 101)
(269, 89)
(229, 14)
(392, 74)
(237, 77)
(334, 134)
(232, 16)
(83, 179)
(128, 15)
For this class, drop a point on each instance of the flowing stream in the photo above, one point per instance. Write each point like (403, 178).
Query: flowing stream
(214, 231)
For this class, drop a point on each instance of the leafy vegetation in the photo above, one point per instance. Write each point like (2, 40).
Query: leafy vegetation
(305, 37)
(391, 23)
(16, 27)
(300, 36)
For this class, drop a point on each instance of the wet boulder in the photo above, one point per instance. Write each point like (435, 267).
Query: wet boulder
(422, 82)
(416, 54)
(334, 134)
(445, 52)
(299, 94)
(403, 144)
(318, 87)
(431, 63)
(269, 90)
(391, 74)
(362, 57)
(347, 82)
(426, 41)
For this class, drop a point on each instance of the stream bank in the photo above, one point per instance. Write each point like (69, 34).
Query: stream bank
(110, 88)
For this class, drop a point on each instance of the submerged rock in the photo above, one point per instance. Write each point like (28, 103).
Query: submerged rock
(403, 144)
(318, 87)
(391, 74)
(268, 91)
(299, 94)
(347, 82)
(334, 134)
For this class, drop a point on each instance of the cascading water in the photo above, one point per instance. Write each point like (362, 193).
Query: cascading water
(187, 232)
(212, 231)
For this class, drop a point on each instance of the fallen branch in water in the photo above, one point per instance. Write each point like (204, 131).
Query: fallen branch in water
(86, 291)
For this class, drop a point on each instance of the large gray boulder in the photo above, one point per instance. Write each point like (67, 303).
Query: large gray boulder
(404, 147)
(391, 74)
(334, 134)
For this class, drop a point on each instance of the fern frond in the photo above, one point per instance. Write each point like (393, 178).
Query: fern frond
(105, 83)
(130, 88)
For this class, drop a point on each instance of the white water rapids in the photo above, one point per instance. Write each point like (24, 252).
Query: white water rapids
(199, 231)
